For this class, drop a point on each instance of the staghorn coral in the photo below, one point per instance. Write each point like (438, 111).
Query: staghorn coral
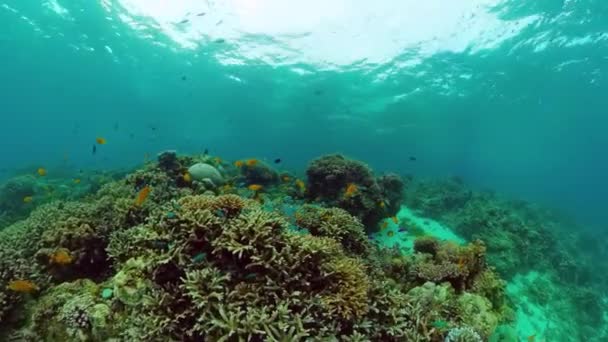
(335, 223)
(188, 267)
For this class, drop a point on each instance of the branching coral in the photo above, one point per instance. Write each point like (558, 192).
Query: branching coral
(221, 268)
(334, 223)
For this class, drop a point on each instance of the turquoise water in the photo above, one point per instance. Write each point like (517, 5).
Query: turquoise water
(504, 94)
(509, 96)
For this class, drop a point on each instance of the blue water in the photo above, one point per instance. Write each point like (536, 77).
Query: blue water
(507, 95)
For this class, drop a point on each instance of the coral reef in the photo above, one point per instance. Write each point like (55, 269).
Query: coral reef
(185, 264)
(520, 238)
(350, 185)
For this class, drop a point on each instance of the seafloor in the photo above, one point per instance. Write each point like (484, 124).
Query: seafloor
(192, 248)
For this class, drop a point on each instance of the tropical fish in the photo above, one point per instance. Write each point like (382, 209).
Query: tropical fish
(28, 199)
(218, 160)
(440, 324)
(532, 338)
(390, 233)
(381, 204)
(238, 163)
(278, 160)
(142, 195)
(384, 225)
(286, 179)
(185, 21)
(41, 171)
(199, 257)
(61, 257)
(351, 190)
(395, 219)
(300, 184)
(251, 162)
(206, 152)
(255, 187)
(22, 286)
(200, 14)
(101, 141)
(94, 149)
(412, 158)
(76, 180)
(187, 177)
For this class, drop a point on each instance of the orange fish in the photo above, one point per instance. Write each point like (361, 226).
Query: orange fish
(22, 286)
(187, 177)
(395, 219)
(251, 162)
(61, 257)
(28, 199)
(390, 233)
(255, 187)
(238, 163)
(351, 189)
(142, 195)
(101, 141)
(76, 180)
(300, 184)
(384, 225)
(218, 160)
(286, 179)
(41, 171)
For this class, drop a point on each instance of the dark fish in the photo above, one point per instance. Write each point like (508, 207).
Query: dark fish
(412, 158)
(220, 41)
(184, 78)
(219, 23)
(206, 152)
(201, 14)
(184, 21)
(116, 126)
(152, 127)
(132, 136)
(94, 149)
(278, 160)
(318, 92)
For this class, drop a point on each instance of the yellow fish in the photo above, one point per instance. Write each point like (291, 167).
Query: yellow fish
(28, 199)
(238, 163)
(187, 177)
(76, 180)
(255, 187)
(395, 219)
(351, 189)
(251, 162)
(22, 286)
(381, 204)
(41, 171)
(101, 141)
(142, 195)
(390, 233)
(61, 257)
(300, 184)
